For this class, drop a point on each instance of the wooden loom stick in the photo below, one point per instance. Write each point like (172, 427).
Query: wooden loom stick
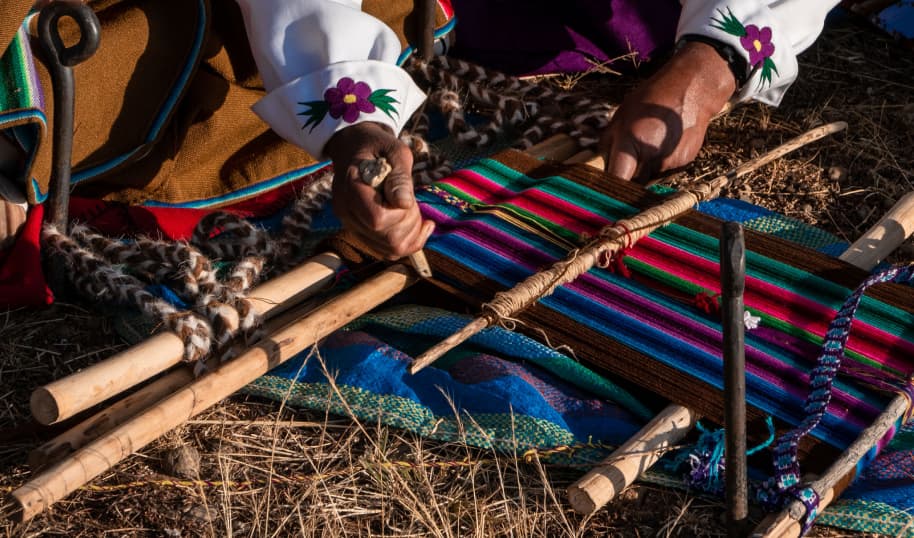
(615, 473)
(77, 392)
(883, 238)
(612, 238)
(63, 478)
(621, 468)
(732, 288)
(866, 252)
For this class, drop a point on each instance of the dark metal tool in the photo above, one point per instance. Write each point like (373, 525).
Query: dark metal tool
(60, 60)
(732, 286)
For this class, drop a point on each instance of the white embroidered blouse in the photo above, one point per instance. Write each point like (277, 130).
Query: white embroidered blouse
(326, 65)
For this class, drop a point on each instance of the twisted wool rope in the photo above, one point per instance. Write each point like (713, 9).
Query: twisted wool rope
(93, 257)
(456, 86)
(224, 236)
(99, 280)
(158, 261)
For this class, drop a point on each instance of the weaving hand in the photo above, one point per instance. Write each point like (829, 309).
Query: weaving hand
(661, 125)
(386, 220)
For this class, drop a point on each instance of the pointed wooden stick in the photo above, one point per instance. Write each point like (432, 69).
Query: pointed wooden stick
(624, 233)
(63, 478)
(373, 172)
(77, 392)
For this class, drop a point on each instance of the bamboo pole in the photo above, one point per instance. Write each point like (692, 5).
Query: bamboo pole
(635, 456)
(126, 408)
(883, 238)
(623, 233)
(63, 478)
(77, 392)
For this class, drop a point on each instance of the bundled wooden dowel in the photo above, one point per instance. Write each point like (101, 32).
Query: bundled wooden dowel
(63, 478)
(77, 392)
(129, 406)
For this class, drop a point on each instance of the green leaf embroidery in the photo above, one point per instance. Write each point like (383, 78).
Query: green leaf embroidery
(729, 23)
(317, 111)
(768, 67)
(384, 102)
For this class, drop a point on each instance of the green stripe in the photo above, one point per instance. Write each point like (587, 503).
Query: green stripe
(17, 91)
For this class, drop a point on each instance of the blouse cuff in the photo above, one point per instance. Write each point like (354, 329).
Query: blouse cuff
(308, 110)
(752, 30)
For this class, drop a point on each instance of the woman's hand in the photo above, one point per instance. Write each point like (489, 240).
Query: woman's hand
(661, 125)
(387, 219)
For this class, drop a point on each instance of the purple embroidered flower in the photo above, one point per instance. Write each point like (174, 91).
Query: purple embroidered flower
(348, 100)
(757, 42)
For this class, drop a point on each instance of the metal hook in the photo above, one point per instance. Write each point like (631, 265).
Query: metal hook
(60, 60)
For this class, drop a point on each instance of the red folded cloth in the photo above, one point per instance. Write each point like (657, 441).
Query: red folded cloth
(22, 280)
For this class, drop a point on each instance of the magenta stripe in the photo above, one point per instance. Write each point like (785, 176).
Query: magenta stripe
(791, 307)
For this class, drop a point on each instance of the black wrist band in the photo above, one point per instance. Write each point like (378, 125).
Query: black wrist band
(737, 64)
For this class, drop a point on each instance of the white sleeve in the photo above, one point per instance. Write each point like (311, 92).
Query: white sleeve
(326, 65)
(768, 34)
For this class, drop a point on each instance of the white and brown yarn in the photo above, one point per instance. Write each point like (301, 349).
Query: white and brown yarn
(510, 103)
(99, 280)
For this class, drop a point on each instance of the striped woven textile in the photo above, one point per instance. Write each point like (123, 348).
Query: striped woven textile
(654, 321)
(21, 99)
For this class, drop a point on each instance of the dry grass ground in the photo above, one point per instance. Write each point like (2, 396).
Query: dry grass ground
(272, 471)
